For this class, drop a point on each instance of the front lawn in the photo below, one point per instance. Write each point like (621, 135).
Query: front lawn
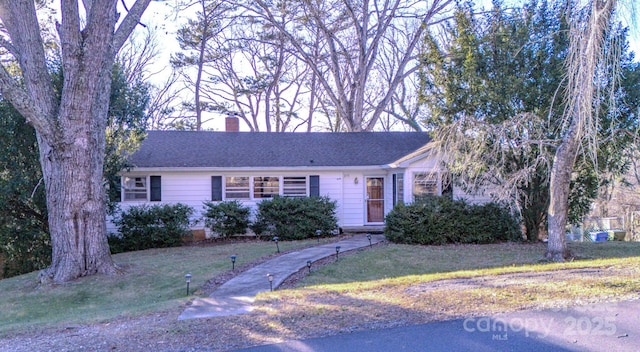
(153, 280)
(386, 285)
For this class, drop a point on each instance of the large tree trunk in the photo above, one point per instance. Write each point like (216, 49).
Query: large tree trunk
(73, 162)
(76, 206)
(71, 128)
(559, 188)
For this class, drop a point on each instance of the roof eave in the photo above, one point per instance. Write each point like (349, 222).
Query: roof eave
(252, 168)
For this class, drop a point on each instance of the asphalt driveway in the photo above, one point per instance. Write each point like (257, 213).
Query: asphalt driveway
(596, 327)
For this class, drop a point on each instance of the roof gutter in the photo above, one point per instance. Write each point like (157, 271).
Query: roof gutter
(253, 168)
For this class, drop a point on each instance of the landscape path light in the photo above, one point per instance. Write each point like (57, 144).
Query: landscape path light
(275, 239)
(309, 266)
(369, 238)
(188, 278)
(337, 251)
(318, 233)
(270, 278)
(233, 262)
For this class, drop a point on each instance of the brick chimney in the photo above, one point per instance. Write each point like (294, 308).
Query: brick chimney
(232, 123)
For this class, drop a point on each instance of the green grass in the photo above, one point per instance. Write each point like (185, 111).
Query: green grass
(153, 280)
(403, 260)
(398, 283)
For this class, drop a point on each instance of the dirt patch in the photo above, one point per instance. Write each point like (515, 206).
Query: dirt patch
(505, 280)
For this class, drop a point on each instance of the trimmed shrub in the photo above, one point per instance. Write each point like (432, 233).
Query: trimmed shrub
(156, 226)
(226, 218)
(296, 218)
(441, 220)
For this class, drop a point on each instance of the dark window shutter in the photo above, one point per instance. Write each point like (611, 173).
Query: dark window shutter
(395, 189)
(156, 189)
(314, 186)
(216, 188)
(115, 189)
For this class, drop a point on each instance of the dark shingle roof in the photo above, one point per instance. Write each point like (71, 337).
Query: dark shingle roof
(251, 149)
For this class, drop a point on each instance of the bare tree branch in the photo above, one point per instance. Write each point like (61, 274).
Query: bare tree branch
(129, 23)
(37, 103)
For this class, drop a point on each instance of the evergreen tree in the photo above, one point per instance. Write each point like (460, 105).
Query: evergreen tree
(495, 92)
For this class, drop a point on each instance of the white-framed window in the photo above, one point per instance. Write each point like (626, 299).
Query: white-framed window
(425, 184)
(237, 187)
(260, 187)
(294, 186)
(266, 187)
(134, 188)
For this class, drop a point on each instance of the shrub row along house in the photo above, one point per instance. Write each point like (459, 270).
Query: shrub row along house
(365, 173)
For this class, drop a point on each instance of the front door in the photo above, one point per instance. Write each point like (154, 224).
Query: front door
(375, 199)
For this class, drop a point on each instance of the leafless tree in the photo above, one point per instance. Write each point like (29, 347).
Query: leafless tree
(404, 107)
(138, 55)
(351, 36)
(257, 79)
(165, 103)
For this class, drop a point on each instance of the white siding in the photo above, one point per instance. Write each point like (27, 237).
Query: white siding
(190, 189)
(331, 186)
(353, 199)
(480, 197)
(194, 188)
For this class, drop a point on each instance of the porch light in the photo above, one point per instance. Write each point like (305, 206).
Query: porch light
(309, 266)
(188, 278)
(275, 239)
(355, 181)
(270, 278)
(233, 262)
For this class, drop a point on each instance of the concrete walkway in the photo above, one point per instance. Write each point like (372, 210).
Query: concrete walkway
(237, 295)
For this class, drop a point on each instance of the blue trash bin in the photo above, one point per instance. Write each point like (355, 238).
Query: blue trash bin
(600, 236)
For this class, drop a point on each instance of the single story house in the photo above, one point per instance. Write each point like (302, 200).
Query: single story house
(366, 173)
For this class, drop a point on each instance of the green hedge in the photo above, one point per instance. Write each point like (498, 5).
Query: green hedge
(226, 218)
(25, 249)
(440, 220)
(156, 226)
(292, 218)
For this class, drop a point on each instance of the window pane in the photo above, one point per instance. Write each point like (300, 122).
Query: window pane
(266, 187)
(237, 187)
(294, 186)
(424, 184)
(135, 188)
